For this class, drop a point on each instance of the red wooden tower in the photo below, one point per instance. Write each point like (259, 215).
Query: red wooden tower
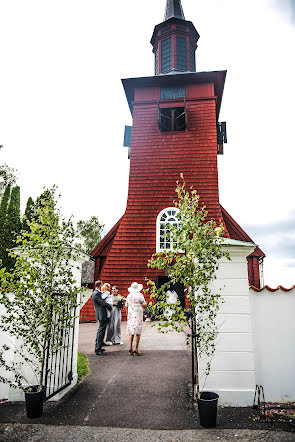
(175, 130)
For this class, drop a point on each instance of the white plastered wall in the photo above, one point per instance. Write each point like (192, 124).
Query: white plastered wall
(9, 355)
(232, 373)
(274, 338)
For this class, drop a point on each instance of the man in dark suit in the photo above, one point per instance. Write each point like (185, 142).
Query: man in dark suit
(100, 307)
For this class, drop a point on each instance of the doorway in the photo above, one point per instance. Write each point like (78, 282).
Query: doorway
(177, 287)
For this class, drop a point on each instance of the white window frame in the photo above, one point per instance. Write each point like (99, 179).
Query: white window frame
(158, 225)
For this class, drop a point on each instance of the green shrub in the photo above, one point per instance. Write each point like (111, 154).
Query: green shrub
(82, 366)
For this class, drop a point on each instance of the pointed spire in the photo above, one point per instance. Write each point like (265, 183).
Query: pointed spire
(174, 10)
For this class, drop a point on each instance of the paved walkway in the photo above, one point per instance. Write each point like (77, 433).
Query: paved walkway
(43, 433)
(126, 398)
(150, 339)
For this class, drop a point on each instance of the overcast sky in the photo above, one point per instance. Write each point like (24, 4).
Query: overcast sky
(63, 108)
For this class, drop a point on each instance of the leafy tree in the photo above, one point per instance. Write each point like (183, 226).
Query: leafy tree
(28, 216)
(44, 198)
(3, 217)
(194, 261)
(12, 226)
(7, 177)
(89, 233)
(39, 288)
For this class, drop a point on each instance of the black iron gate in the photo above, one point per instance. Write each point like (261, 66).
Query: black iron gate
(59, 356)
(193, 347)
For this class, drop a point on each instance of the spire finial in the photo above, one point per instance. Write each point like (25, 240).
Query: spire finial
(174, 10)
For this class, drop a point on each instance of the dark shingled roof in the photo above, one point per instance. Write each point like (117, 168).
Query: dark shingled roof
(174, 10)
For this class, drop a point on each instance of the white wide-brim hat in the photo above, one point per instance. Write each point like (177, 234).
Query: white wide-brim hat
(135, 287)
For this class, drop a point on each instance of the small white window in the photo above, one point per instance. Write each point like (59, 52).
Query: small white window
(165, 219)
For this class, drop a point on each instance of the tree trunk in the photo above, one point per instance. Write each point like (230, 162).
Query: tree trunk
(196, 362)
(46, 344)
(197, 373)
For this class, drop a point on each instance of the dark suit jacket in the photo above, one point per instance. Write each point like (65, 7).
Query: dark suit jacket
(100, 306)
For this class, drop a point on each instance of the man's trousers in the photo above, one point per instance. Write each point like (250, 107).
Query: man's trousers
(100, 334)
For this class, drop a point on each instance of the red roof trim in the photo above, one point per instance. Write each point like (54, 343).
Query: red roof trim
(280, 287)
(236, 232)
(105, 241)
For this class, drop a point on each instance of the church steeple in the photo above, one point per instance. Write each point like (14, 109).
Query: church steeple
(174, 10)
(174, 42)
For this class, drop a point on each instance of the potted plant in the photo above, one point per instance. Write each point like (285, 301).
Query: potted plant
(196, 249)
(34, 397)
(39, 288)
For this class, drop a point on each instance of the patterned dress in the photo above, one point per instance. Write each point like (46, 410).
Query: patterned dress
(134, 302)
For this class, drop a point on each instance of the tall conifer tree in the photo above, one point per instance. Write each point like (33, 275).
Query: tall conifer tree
(3, 217)
(4, 205)
(28, 214)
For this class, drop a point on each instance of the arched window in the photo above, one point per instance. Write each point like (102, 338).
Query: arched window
(166, 218)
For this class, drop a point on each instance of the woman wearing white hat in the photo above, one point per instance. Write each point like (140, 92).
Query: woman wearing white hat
(135, 302)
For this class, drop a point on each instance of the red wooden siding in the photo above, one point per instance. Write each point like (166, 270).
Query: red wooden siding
(200, 90)
(253, 271)
(100, 252)
(147, 94)
(156, 161)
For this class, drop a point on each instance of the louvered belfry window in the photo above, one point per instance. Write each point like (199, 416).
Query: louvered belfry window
(166, 55)
(172, 119)
(181, 53)
(172, 92)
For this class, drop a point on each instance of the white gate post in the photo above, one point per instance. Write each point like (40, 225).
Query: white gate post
(232, 373)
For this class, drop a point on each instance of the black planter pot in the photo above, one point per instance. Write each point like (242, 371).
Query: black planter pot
(207, 405)
(34, 402)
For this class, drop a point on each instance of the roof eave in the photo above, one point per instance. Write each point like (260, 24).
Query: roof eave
(217, 77)
(105, 241)
(177, 21)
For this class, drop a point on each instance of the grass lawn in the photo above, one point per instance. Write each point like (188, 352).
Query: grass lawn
(82, 366)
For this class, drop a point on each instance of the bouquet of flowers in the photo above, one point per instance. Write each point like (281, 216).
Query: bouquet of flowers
(148, 313)
(120, 302)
